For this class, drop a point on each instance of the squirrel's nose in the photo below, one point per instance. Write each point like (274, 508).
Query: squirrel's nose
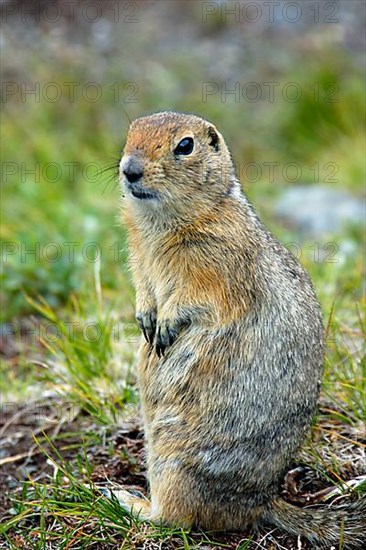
(132, 169)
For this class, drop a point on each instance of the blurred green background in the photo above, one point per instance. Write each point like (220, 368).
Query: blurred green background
(285, 87)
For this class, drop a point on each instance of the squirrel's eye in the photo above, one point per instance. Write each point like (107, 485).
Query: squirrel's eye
(184, 147)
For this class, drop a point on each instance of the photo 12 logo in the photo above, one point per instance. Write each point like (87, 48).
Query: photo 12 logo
(53, 12)
(269, 12)
(253, 92)
(70, 91)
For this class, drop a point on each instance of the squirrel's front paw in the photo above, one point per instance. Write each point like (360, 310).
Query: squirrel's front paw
(147, 323)
(167, 332)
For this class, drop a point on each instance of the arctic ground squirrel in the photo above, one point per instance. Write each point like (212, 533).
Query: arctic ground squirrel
(230, 367)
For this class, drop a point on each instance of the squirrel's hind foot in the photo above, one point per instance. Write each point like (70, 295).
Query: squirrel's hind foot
(132, 501)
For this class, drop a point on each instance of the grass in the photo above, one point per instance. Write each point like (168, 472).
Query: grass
(88, 373)
(70, 342)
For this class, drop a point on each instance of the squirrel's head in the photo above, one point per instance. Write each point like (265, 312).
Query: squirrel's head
(175, 161)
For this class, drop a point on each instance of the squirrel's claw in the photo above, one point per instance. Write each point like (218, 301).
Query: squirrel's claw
(165, 337)
(147, 323)
(159, 350)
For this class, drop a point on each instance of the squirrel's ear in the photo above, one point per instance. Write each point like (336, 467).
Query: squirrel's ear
(214, 138)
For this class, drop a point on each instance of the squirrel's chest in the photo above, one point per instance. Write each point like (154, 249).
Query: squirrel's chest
(161, 267)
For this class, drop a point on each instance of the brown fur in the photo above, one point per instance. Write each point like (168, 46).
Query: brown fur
(229, 374)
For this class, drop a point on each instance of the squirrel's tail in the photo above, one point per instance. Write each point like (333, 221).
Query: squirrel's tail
(341, 527)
